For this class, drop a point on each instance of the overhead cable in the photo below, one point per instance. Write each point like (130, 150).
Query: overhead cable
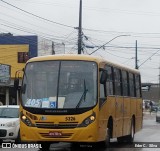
(36, 15)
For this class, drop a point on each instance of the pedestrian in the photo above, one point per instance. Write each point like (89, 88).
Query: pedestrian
(151, 104)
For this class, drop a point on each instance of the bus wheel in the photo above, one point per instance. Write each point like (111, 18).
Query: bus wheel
(121, 139)
(75, 145)
(106, 142)
(130, 137)
(18, 139)
(127, 138)
(45, 146)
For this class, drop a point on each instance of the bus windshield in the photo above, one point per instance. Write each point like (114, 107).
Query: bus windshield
(60, 84)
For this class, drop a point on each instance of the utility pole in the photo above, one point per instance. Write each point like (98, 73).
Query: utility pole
(53, 52)
(159, 83)
(136, 60)
(80, 29)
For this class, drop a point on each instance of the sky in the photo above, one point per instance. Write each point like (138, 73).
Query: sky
(102, 21)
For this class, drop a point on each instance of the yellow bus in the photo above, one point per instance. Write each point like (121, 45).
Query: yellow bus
(79, 98)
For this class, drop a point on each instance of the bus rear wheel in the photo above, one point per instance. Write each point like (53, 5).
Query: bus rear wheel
(128, 138)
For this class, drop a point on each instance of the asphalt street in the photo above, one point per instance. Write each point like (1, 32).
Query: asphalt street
(148, 139)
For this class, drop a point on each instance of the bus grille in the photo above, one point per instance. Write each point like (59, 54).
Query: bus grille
(64, 135)
(61, 125)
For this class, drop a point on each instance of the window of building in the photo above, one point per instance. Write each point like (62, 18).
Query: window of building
(23, 57)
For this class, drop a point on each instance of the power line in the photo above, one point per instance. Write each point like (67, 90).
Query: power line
(36, 15)
(148, 58)
(32, 32)
(115, 55)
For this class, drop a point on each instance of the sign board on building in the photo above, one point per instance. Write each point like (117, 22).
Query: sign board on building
(5, 72)
(46, 47)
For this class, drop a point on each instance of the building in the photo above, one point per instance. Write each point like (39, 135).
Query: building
(14, 52)
(151, 91)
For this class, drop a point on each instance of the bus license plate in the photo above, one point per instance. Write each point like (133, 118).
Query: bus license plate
(55, 133)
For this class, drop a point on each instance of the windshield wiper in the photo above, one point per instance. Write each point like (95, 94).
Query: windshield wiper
(83, 95)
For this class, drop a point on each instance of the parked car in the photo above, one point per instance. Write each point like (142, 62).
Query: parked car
(154, 108)
(9, 123)
(158, 115)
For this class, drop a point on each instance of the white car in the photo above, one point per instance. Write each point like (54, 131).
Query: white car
(9, 123)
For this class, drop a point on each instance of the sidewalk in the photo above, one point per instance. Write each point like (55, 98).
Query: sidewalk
(147, 111)
(148, 116)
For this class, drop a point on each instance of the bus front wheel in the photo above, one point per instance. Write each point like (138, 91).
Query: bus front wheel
(18, 139)
(45, 146)
(106, 142)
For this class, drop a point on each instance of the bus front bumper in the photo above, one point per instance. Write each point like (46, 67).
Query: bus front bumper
(82, 134)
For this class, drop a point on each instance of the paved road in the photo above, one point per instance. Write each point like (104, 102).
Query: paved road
(148, 136)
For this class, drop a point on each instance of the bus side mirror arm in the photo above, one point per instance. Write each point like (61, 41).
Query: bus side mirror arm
(17, 77)
(16, 83)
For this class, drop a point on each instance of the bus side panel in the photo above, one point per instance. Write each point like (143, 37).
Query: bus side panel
(133, 107)
(139, 117)
(118, 122)
(126, 116)
(107, 110)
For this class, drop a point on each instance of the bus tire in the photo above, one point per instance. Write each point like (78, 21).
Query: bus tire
(75, 145)
(121, 139)
(45, 146)
(18, 139)
(106, 142)
(130, 137)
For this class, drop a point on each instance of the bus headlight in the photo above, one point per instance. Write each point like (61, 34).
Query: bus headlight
(24, 117)
(88, 120)
(92, 118)
(26, 120)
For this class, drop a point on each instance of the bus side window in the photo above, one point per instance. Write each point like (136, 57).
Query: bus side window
(124, 83)
(131, 85)
(102, 92)
(117, 81)
(138, 87)
(109, 83)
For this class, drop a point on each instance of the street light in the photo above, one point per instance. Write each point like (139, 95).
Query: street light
(107, 43)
